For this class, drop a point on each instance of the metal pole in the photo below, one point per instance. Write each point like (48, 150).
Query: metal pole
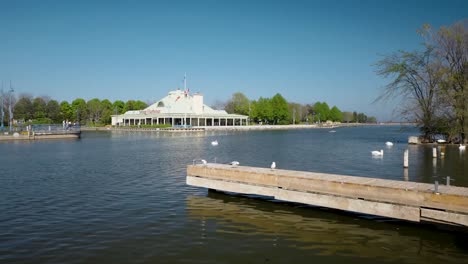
(448, 180)
(10, 112)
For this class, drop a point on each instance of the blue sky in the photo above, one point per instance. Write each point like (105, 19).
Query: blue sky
(307, 51)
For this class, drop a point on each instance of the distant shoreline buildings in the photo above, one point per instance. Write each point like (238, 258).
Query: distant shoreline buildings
(179, 108)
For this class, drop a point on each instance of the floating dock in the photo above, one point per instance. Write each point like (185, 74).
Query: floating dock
(42, 135)
(404, 200)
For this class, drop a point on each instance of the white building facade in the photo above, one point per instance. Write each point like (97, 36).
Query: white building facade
(179, 109)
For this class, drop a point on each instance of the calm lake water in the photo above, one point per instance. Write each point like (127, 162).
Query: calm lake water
(121, 197)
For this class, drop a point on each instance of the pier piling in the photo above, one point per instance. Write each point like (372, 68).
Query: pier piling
(405, 159)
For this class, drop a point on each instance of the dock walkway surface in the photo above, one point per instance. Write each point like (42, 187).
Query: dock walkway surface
(404, 200)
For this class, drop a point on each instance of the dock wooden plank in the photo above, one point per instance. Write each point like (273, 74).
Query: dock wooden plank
(362, 194)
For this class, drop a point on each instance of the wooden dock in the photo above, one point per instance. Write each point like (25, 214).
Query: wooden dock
(404, 200)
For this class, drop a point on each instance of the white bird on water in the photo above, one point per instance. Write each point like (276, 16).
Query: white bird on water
(389, 144)
(203, 162)
(273, 165)
(235, 163)
(462, 147)
(377, 153)
(214, 143)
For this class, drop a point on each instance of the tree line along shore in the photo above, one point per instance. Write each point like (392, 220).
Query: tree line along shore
(95, 112)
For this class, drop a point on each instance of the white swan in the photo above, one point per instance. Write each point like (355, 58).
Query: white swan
(441, 141)
(214, 143)
(462, 147)
(273, 165)
(203, 162)
(377, 153)
(235, 163)
(389, 144)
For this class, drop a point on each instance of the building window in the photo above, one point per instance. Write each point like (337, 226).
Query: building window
(161, 104)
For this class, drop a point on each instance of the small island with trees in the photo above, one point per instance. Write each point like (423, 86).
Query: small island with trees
(432, 83)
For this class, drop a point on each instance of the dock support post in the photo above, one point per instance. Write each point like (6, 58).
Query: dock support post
(448, 180)
(405, 159)
(436, 186)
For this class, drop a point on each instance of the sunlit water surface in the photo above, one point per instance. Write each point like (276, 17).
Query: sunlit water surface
(121, 197)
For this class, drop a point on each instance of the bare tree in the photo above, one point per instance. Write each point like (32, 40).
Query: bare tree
(450, 46)
(415, 77)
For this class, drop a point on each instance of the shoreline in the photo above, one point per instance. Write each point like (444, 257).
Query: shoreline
(238, 128)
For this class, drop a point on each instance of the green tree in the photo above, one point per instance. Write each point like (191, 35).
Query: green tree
(119, 106)
(39, 106)
(279, 106)
(107, 111)
(336, 115)
(262, 110)
(361, 118)
(94, 110)
(238, 104)
(140, 105)
(130, 105)
(371, 119)
(23, 109)
(53, 111)
(79, 110)
(66, 111)
(321, 112)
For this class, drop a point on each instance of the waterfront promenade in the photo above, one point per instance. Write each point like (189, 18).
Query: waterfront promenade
(229, 128)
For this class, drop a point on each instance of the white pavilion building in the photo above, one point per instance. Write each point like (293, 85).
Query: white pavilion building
(179, 108)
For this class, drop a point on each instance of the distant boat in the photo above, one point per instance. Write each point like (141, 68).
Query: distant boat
(332, 131)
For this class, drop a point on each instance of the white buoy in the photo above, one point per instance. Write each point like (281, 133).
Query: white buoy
(405, 159)
(434, 152)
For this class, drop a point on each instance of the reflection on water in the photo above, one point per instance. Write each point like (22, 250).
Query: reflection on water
(121, 197)
(324, 232)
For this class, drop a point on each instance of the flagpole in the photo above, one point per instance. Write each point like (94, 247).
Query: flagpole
(9, 109)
